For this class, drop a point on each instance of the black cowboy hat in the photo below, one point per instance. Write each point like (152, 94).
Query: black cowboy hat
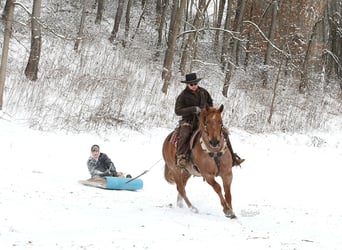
(191, 78)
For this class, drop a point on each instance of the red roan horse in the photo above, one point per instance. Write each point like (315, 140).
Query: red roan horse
(210, 157)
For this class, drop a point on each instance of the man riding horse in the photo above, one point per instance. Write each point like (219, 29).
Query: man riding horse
(188, 105)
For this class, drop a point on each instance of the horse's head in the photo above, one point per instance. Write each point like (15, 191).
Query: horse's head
(211, 125)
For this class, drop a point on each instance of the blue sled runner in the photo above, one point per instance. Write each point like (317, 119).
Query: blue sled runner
(115, 183)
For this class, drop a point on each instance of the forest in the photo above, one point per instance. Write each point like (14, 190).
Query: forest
(88, 64)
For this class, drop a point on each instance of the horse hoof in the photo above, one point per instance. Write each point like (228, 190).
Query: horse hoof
(194, 210)
(230, 214)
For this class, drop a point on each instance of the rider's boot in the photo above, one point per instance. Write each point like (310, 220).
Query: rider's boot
(236, 159)
(182, 145)
(181, 161)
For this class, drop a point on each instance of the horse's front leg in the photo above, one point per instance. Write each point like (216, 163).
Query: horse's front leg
(227, 210)
(227, 180)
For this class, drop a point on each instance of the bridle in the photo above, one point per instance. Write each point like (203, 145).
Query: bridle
(211, 151)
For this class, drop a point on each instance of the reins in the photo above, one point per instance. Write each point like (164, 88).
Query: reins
(216, 155)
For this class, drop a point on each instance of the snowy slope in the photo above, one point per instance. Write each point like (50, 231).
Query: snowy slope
(286, 195)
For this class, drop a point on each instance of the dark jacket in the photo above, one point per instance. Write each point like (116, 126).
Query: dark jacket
(102, 166)
(188, 100)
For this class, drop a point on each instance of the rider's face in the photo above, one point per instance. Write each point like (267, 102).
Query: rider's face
(193, 86)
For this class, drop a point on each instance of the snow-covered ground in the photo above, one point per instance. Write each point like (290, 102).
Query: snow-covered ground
(286, 195)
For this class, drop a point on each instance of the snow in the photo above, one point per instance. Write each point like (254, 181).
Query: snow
(285, 195)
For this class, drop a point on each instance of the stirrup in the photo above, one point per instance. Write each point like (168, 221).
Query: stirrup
(181, 161)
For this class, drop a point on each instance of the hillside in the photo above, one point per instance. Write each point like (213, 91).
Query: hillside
(105, 84)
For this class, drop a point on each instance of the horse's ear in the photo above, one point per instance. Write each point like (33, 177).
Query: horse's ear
(221, 108)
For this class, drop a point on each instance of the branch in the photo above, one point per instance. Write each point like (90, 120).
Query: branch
(335, 57)
(232, 33)
(265, 37)
(42, 25)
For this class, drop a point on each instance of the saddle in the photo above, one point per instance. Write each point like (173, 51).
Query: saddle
(194, 137)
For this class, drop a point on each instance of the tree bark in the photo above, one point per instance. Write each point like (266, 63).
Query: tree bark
(5, 47)
(225, 37)
(189, 49)
(81, 28)
(99, 13)
(127, 23)
(219, 23)
(6, 9)
(31, 70)
(162, 18)
(177, 11)
(304, 72)
(274, 94)
(118, 16)
(140, 18)
(268, 53)
(235, 52)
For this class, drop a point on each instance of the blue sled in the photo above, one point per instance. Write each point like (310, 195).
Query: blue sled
(120, 183)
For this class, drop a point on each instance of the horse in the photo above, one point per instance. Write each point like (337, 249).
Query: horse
(209, 157)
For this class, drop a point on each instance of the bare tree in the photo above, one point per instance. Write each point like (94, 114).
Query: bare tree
(333, 52)
(225, 37)
(127, 24)
(31, 70)
(100, 8)
(267, 59)
(218, 22)
(118, 16)
(304, 72)
(176, 17)
(140, 18)
(5, 10)
(5, 47)
(274, 93)
(81, 28)
(190, 46)
(162, 20)
(235, 53)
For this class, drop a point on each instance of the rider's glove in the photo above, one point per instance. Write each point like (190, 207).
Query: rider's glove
(197, 110)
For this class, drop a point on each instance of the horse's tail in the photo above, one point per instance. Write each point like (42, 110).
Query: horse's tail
(168, 175)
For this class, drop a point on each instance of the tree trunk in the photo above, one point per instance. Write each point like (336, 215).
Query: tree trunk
(235, 52)
(81, 28)
(100, 7)
(31, 70)
(268, 53)
(225, 37)
(164, 6)
(177, 11)
(5, 46)
(249, 36)
(304, 72)
(140, 18)
(219, 23)
(118, 16)
(127, 23)
(334, 10)
(238, 28)
(6, 9)
(189, 49)
(274, 94)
